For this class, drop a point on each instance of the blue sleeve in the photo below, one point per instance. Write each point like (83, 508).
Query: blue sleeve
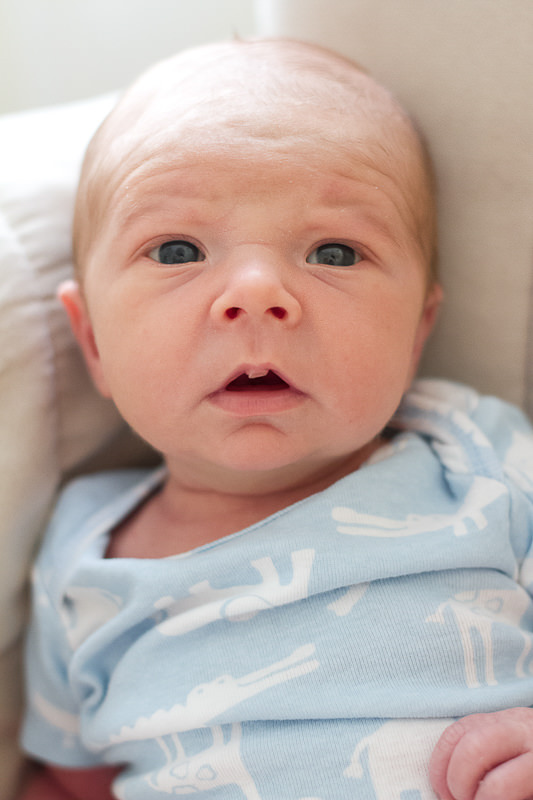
(511, 435)
(51, 730)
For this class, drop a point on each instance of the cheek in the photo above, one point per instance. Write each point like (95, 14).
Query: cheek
(370, 361)
(148, 350)
(134, 329)
(129, 353)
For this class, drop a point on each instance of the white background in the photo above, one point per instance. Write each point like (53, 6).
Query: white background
(54, 51)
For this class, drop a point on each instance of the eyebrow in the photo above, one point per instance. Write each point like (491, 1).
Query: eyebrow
(377, 221)
(147, 208)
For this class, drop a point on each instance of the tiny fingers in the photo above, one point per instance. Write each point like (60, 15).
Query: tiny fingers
(512, 780)
(440, 759)
(479, 752)
(486, 757)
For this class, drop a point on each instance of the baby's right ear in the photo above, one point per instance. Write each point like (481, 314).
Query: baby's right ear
(72, 298)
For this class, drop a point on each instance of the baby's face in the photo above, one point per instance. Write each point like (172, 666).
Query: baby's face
(256, 312)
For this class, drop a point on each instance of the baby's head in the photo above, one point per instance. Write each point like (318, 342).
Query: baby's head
(255, 241)
(282, 95)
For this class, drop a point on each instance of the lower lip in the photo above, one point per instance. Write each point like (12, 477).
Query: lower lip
(257, 402)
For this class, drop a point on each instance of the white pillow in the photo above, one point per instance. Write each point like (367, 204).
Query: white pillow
(52, 421)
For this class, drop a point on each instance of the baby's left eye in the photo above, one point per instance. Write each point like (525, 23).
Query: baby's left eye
(177, 251)
(334, 254)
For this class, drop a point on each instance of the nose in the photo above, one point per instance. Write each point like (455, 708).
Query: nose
(256, 291)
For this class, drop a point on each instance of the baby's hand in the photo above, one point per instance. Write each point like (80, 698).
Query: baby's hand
(486, 757)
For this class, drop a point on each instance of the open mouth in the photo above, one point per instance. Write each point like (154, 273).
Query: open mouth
(255, 391)
(269, 382)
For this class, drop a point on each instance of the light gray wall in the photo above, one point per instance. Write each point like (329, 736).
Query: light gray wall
(53, 51)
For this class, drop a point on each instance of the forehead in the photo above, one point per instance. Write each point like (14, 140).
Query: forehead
(263, 102)
(206, 189)
(274, 134)
(275, 95)
(254, 164)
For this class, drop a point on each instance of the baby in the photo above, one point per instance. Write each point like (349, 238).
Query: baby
(324, 587)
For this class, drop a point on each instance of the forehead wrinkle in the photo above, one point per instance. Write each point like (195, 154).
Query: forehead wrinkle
(211, 150)
(354, 179)
(398, 185)
(142, 186)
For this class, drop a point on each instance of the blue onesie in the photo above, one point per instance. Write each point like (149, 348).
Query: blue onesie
(318, 654)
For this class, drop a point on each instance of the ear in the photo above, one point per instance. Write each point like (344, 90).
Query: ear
(72, 298)
(430, 313)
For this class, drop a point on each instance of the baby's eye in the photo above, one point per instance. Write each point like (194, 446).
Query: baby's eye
(176, 252)
(334, 254)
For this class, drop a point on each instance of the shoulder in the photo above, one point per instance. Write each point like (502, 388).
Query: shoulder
(485, 427)
(90, 492)
(494, 416)
(93, 505)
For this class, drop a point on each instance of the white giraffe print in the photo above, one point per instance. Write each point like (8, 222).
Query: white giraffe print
(219, 765)
(474, 613)
(237, 603)
(348, 600)
(398, 755)
(518, 462)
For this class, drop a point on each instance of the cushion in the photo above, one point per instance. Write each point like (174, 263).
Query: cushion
(52, 421)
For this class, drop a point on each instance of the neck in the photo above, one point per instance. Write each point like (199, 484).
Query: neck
(236, 502)
(185, 515)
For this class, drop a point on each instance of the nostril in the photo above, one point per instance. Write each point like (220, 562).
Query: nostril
(277, 311)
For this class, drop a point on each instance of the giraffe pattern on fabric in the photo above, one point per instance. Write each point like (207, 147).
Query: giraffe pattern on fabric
(316, 655)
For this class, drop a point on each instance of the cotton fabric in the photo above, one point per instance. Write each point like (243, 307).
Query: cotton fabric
(317, 654)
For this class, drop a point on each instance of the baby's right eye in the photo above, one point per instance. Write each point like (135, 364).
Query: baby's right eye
(177, 251)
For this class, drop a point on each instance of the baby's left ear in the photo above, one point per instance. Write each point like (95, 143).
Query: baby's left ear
(428, 318)
(73, 301)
